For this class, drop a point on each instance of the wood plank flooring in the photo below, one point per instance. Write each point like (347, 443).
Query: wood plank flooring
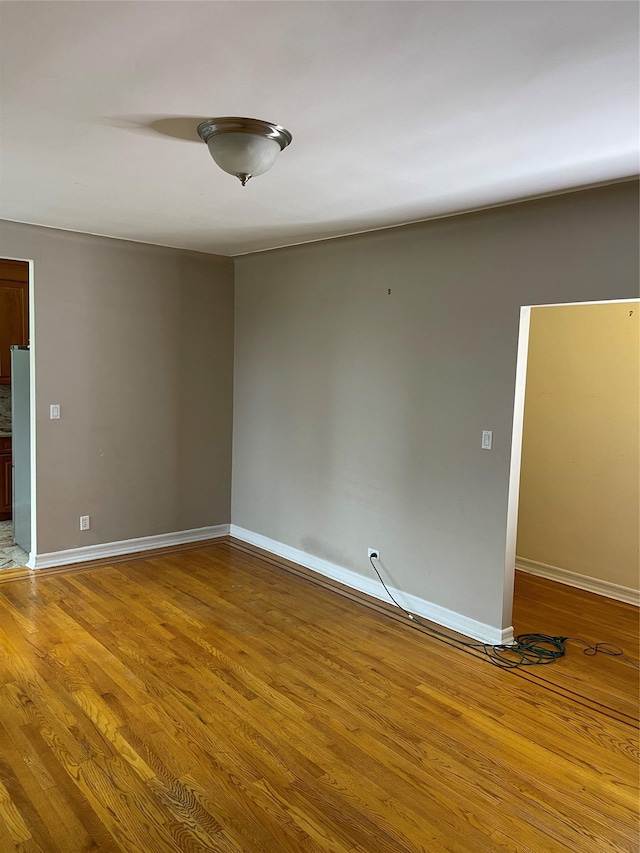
(208, 700)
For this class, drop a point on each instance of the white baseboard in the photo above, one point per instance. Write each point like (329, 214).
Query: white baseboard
(433, 612)
(555, 573)
(125, 546)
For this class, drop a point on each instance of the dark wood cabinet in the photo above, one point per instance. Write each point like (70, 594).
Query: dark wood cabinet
(14, 312)
(5, 479)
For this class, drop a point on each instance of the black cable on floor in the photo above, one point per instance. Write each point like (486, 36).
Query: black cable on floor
(526, 650)
(603, 648)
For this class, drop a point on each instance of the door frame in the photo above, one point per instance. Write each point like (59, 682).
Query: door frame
(32, 408)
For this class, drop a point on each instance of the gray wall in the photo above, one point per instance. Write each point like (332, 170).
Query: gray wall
(136, 344)
(358, 413)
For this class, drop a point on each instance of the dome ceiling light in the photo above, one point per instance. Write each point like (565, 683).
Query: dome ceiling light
(244, 147)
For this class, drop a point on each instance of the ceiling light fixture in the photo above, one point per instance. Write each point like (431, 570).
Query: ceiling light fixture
(244, 147)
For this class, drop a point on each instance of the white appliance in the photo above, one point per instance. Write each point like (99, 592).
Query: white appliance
(21, 444)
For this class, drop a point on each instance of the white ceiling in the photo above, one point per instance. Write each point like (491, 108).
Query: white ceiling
(399, 111)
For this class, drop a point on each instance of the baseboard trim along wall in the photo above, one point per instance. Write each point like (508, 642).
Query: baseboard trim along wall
(372, 586)
(555, 573)
(125, 546)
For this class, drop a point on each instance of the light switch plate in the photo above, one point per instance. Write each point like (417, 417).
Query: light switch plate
(487, 439)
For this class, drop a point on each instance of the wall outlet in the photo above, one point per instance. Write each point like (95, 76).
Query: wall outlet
(373, 552)
(85, 522)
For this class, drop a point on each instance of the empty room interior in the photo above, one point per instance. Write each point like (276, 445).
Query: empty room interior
(319, 426)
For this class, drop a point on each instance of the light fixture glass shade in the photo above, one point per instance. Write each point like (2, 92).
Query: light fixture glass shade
(243, 147)
(243, 153)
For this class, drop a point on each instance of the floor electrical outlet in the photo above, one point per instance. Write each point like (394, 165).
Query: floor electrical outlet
(373, 552)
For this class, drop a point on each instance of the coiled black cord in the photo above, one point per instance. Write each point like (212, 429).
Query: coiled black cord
(526, 650)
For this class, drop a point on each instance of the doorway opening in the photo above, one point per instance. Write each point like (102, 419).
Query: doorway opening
(17, 507)
(573, 492)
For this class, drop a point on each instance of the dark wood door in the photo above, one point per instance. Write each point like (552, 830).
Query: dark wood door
(14, 312)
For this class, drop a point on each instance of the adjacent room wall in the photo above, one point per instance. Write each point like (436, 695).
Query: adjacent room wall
(359, 411)
(579, 487)
(135, 342)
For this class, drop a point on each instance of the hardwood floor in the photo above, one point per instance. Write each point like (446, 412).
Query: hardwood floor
(208, 700)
